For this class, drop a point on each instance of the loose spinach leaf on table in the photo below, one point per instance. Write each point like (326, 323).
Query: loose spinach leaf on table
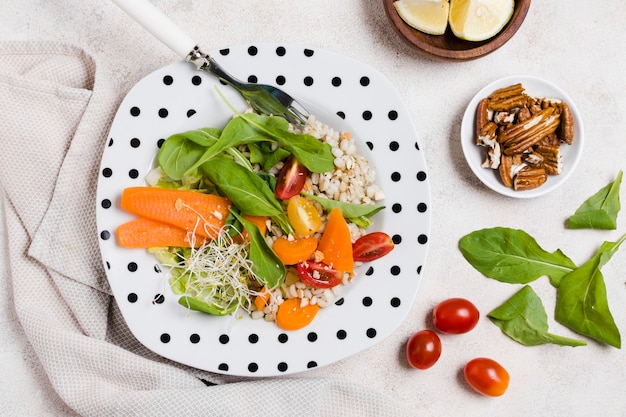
(600, 210)
(513, 256)
(247, 191)
(523, 318)
(582, 303)
(268, 268)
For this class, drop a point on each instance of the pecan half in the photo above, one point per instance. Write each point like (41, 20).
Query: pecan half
(522, 136)
(529, 178)
(508, 97)
(552, 160)
(482, 116)
(566, 131)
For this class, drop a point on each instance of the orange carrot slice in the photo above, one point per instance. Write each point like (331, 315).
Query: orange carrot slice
(258, 221)
(260, 301)
(203, 214)
(290, 316)
(336, 243)
(148, 233)
(290, 252)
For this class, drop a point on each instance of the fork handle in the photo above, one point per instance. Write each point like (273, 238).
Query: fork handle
(159, 25)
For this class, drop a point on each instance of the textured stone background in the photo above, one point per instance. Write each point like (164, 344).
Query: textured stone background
(578, 45)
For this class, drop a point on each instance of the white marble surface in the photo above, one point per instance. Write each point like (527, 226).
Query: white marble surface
(578, 45)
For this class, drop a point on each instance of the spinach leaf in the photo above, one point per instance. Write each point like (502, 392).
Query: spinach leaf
(581, 302)
(247, 191)
(312, 153)
(181, 151)
(267, 267)
(523, 318)
(204, 307)
(359, 214)
(600, 210)
(250, 128)
(513, 256)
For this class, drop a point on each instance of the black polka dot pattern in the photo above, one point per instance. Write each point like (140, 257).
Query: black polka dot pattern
(359, 99)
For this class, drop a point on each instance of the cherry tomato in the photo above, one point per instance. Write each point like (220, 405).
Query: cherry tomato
(487, 376)
(423, 349)
(455, 316)
(319, 275)
(290, 179)
(303, 216)
(371, 246)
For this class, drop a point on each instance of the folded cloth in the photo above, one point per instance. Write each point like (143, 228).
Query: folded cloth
(56, 108)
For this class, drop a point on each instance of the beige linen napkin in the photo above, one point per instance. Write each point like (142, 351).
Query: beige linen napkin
(55, 112)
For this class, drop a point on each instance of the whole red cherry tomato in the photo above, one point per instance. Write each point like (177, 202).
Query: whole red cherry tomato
(318, 274)
(455, 316)
(290, 179)
(372, 246)
(423, 349)
(487, 376)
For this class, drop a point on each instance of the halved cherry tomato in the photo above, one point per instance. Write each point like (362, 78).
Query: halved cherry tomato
(486, 376)
(455, 316)
(303, 216)
(372, 246)
(423, 349)
(319, 275)
(290, 179)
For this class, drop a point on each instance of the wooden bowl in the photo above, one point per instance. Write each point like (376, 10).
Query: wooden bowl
(448, 47)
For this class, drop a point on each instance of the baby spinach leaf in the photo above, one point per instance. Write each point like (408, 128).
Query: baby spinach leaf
(267, 267)
(581, 302)
(250, 128)
(247, 191)
(523, 318)
(513, 256)
(204, 307)
(311, 152)
(600, 210)
(357, 213)
(181, 151)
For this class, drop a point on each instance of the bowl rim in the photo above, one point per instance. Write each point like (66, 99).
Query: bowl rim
(408, 34)
(474, 154)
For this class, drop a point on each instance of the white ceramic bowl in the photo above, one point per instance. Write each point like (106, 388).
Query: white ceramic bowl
(475, 155)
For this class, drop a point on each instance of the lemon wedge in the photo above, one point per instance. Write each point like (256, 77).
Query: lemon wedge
(477, 20)
(428, 16)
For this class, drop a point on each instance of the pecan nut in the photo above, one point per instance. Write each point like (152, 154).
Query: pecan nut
(508, 97)
(522, 136)
(529, 178)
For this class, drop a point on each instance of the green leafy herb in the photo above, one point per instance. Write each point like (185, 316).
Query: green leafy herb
(247, 191)
(268, 268)
(582, 304)
(251, 128)
(204, 307)
(523, 318)
(600, 210)
(181, 151)
(359, 214)
(513, 256)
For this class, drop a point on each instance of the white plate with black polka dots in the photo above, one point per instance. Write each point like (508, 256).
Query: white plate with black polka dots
(345, 94)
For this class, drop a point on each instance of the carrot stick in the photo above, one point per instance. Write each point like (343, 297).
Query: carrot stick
(290, 252)
(203, 214)
(260, 301)
(148, 233)
(336, 243)
(258, 221)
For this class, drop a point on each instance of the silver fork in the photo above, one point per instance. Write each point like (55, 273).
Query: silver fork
(263, 98)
